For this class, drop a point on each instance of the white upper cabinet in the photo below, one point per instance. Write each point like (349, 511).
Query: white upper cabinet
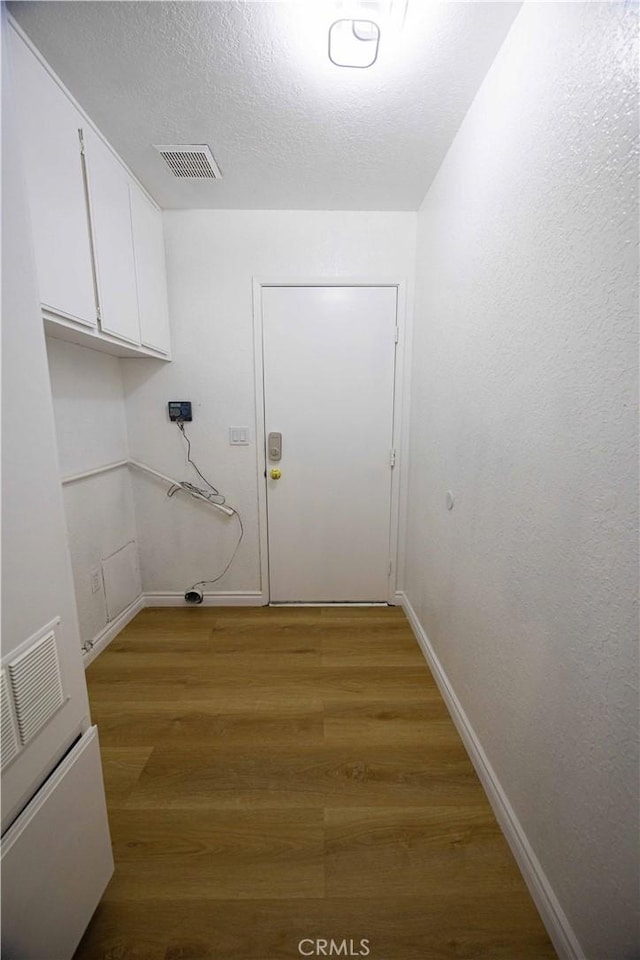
(49, 125)
(110, 207)
(98, 239)
(148, 246)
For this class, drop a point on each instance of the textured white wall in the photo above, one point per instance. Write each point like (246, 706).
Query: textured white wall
(524, 395)
(212, 258)
(89, 409)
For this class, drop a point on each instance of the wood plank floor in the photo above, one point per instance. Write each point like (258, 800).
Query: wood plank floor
(275, 775)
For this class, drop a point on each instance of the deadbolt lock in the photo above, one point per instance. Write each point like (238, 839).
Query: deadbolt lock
(274, 445)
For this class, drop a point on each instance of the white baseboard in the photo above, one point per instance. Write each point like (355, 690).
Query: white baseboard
(328, 604)
(112, 630)
(558, 927)
(249, 599)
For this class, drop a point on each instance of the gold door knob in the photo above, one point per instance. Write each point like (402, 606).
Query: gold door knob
(275, 474)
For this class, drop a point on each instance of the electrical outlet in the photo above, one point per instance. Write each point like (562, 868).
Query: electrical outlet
(96, 580)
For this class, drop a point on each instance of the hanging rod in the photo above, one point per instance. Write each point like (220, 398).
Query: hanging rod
(95, 471)
(177, 483)
(142, 466)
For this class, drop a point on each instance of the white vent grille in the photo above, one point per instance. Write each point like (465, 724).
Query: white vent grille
(190, 161)
(9, 745)
(36, 685)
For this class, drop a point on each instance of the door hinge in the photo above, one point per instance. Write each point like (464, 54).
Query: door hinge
(392, 458)
(98, 314)
(390, 567)
(396, 334)
(81, 138)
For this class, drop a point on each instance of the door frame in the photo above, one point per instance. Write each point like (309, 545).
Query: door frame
(398, 475)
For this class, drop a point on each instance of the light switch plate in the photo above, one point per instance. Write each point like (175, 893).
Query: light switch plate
(238, 436)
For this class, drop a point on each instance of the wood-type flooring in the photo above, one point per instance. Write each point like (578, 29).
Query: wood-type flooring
(281, 778)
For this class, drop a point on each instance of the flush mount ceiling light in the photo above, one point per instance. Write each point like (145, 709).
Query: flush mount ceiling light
(354, 43)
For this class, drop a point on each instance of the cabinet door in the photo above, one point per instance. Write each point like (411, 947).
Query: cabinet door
(113, 241)
(148, 245)
(56, 859)
(49, 125)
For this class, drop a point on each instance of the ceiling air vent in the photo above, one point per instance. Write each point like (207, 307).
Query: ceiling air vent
(191, 161)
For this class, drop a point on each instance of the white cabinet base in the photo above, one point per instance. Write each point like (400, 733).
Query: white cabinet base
(57, 860)
(96, 340)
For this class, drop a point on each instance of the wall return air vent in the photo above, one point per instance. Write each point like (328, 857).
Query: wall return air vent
(36, 684)
(190, 161)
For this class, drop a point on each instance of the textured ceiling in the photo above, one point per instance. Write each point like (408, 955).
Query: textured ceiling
(253, 80)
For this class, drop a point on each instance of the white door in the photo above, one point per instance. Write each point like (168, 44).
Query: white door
(49, 125)
(113, 239)
(151, 272)
(329, 369)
